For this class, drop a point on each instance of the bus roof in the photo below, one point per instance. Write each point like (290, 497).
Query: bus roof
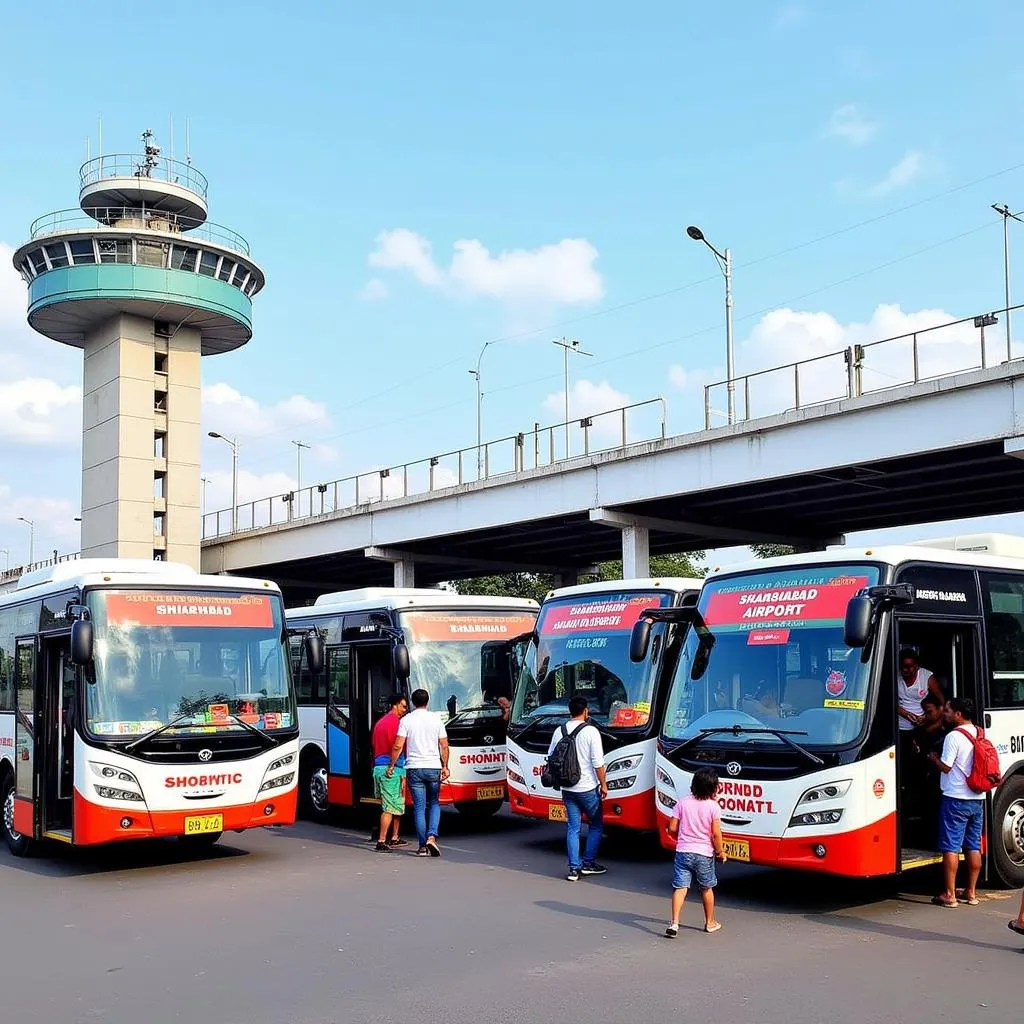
(85, 572)
(984, 550)
(396, 598)
(676, 584)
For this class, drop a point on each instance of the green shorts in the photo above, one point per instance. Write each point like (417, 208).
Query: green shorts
(389, 791)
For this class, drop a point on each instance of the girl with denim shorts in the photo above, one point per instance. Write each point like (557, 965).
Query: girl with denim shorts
(696, 825)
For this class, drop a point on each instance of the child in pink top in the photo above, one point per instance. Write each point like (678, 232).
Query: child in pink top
(696, 825)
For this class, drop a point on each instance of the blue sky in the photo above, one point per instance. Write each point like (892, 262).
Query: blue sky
(585, 136)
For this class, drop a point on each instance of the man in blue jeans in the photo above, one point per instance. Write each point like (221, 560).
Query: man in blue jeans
(586, 796)
(962, 812)
(422, 736)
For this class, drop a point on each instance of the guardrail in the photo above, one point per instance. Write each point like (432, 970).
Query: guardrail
(932, 352)
(13, 575)
(136, 218)
(531, 449)
(133, 165)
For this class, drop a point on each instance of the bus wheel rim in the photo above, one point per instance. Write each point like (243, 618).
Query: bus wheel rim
(1013, 832)
(318, 789)
(9, 816)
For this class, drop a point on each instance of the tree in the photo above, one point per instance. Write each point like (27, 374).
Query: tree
(771, 550)
(685, 565)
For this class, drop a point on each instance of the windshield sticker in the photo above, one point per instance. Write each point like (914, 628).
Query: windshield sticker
(218, 713)
(787, 599)
(607, 613)
(835, 684)
(151, 608)
(625, 717)
(846, 705)
(480, 627)
(767, 637)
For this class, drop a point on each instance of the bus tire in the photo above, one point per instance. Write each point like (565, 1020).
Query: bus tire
(479, 810)
(313, 785)
(1008, 832)
(19, 845)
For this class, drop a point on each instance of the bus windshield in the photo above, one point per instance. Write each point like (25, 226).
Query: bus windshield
(461, 658)
(583, 648)
(779, 661)
(205, 661)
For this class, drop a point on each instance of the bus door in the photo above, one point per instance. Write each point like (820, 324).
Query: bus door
(951, 652)
(57, 676)
(372, 684)
(337, 665)
(27, 790)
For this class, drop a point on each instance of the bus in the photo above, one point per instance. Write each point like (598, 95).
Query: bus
(142, 700)
(786, 686)
(581, 646)
(383, 640)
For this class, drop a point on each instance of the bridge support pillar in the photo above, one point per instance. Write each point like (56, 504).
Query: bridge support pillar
(636, 552)
(402, 561)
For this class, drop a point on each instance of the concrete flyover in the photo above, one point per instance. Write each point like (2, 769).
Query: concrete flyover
(939, 449)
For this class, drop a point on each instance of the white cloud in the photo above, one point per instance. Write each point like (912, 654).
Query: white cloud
(850, 124)
(36, 411)
(590, 399)
(54, 526)
(904, 172)
(557, 273)
(691, 380)
(374, 290)
(229, 412)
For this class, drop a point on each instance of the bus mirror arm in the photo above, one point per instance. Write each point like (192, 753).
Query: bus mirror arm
(863, 611)
(683, 615)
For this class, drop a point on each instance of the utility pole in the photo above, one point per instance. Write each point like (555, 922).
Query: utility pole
(480, 411)
(567, 347)
(1004, 211)
(299, 445)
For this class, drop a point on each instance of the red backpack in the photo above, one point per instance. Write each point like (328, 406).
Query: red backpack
(984, 775)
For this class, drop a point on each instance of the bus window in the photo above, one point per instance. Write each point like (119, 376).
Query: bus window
(1004, 618)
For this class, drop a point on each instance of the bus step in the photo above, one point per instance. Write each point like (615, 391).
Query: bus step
(62, 835)
(918, 858)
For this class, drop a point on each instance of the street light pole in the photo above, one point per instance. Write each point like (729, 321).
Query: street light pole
(205, 482)
(31, 538)
(7, 559)
(299, 445)
(233, 443)
(480, 410)
(725, 265)
(567, 347)
(1004, 211)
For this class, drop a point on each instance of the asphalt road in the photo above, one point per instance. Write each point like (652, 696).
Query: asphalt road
(309, 926)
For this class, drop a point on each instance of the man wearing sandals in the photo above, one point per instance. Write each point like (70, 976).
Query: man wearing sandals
(422, 736)
(388, 787)
(962, 811)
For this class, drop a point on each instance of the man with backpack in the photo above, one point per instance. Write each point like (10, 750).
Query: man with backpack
(575, 765)
(970, 768)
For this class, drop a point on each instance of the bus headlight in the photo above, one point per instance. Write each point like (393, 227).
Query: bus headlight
(109, 773)
(621, 783)
(516, 777)
(816, 818)
(666, 800)
(625, 764)
(280, 762)
(278, 782)
(826, 791)
(117, 794)
(665, 779)
(512, 757)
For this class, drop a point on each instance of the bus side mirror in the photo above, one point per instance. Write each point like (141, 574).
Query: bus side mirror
(639, 639)
(81, 641)
(400, 661)
(314, 652)
(701, 658)
(857, 627)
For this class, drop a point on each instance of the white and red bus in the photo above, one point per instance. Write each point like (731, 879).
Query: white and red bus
(581, 646)
(139, 700)
(382, 640)
(787, 687)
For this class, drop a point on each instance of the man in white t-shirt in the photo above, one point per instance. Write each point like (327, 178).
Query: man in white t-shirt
(585, 797)
(421, 734)
(962, 812)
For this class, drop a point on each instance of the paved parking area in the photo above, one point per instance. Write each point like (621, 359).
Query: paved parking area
(309, 926)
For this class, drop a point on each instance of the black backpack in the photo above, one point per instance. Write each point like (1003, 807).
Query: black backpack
(563, 764)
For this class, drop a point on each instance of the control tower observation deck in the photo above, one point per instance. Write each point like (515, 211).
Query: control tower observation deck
(139, 280)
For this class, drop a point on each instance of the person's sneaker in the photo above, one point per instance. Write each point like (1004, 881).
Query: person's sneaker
(672, 931)
(573, 875)
(397, 842)
(382, 848)
(593, 869)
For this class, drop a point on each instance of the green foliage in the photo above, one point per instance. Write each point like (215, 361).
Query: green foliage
(770, 550)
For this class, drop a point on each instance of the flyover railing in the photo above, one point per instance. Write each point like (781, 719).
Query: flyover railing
(13, 574)
(529, 449)
(860, 369)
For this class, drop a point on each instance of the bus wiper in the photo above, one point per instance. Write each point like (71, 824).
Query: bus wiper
(739, 730)
(271, 741)
(537, 721)
(156, 732)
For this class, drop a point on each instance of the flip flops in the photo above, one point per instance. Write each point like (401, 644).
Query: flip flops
(1014, 927)
(938, 901)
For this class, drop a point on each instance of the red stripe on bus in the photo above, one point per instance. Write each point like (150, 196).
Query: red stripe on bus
(339, 790)
(23, 822)
(635, 811)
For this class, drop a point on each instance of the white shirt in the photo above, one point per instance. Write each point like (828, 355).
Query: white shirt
(958, 753)
(910, 697)
(589, 751)
(423, 731)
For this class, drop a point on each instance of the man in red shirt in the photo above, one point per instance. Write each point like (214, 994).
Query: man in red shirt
(388, 788)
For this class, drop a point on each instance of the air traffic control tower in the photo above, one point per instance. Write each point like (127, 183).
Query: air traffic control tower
(144, 285)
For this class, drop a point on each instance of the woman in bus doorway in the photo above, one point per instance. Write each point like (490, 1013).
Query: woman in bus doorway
(696, 824)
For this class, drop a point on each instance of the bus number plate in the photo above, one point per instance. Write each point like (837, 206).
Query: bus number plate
(490, 792)
(737, 849)
(556, 812)
(200, 824)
